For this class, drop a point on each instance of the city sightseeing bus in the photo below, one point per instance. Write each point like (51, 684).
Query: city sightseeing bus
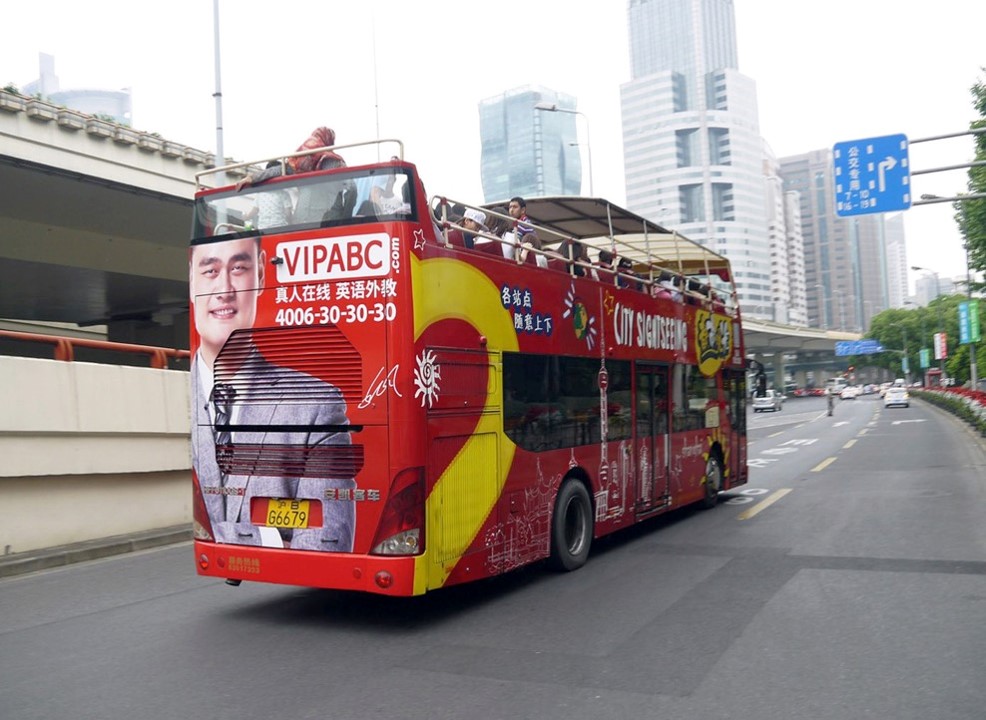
(377, 407)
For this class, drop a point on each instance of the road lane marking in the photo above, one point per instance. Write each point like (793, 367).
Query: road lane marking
(863, 431)
(779, 432)
(763, 504)
(823, 464)
(849, 444)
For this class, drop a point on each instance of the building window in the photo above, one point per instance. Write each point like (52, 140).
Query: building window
(723, 208)
(685, 141)
(719, 153)
(692, 205)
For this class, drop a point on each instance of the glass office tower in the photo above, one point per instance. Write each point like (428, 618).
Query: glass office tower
(526, 151)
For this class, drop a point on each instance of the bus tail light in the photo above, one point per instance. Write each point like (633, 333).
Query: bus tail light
(402, 525)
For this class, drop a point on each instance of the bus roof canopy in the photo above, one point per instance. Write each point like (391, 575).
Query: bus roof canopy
(600, 224)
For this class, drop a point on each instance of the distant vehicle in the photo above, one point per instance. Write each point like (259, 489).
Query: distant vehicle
(850, 392)
(883, 388)
(772, 401)
(896, 396)
(835, 385)
(900, 382)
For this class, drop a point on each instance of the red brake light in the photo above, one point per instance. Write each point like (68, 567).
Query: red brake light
(402, 526)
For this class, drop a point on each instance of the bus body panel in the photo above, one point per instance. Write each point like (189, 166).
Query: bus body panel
(430, 348)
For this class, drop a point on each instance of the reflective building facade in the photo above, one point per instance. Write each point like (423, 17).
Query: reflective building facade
(526, 151)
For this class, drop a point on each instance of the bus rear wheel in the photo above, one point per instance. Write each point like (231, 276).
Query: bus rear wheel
(713, 482)
(571, 527)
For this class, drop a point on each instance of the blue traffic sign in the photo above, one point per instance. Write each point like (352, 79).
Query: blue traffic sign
(872, 175)
(857, 347)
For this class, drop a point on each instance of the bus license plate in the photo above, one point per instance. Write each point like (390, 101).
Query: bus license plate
(287, 513)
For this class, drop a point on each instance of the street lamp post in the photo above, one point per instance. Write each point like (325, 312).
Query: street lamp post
(824, 304)
(867, 314)
(907, 361)
(552, 107)
(941, 320)
(924, 331)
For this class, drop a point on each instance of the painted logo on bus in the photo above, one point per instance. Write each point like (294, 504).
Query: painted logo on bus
(583, 325)
(645, 330)
(335, 258)
(713, 341)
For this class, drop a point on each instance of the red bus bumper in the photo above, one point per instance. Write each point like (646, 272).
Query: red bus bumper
(337, 571)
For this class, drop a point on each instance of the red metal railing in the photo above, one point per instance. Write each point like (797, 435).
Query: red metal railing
(64, 347)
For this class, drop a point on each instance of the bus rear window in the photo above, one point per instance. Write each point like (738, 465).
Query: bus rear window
(287, 203)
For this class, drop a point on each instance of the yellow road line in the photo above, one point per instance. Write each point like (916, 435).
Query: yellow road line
(848, 444)
(823, 464)
(763, 504)
(779, 432)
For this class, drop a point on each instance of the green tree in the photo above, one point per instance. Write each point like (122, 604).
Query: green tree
(916, 329)
(971, 214)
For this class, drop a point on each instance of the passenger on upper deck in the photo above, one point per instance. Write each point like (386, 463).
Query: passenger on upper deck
(274, 207)
(474, 221)
(502, 228)
(625, 268)
(522, 228)
(604, 265)
(315, 203)
(529, 250)
(577, 259)
(320, 137)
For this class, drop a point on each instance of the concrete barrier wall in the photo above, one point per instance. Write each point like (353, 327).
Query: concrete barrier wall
(89, 451)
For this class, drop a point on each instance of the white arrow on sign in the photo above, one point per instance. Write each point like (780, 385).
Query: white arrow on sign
(901, 422)
(889, 164)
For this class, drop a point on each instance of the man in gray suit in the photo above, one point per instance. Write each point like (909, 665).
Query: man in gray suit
(278, 429)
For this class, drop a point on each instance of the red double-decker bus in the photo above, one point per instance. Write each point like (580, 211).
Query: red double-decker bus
(386, 399)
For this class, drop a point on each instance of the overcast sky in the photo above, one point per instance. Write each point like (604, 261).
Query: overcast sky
(826, 71)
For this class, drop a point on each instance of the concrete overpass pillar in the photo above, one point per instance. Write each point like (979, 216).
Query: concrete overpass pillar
(778, 365)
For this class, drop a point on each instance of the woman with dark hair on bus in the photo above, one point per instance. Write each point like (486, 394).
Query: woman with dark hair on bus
(320, 203)
(320, 137)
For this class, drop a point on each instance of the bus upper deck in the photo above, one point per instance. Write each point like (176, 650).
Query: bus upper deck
(654, 258)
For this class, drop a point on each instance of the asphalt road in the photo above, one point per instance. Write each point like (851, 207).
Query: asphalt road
(847, 581)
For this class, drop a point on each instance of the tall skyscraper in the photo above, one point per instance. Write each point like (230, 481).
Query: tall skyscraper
(692, 151)
(897, 291)
(526, 151)
(846, 259)
(787, 261)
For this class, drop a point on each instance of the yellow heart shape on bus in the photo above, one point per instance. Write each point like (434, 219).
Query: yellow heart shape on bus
(447, 289)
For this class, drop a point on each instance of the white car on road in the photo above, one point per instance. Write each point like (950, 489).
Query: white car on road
(896, 396)
(772, 401)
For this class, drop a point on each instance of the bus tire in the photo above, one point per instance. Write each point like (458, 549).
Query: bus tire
(713, 481)
(571, 527)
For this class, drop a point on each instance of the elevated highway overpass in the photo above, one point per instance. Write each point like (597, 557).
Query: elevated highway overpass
(94, 223)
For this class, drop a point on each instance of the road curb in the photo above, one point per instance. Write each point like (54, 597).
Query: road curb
(28, 562)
